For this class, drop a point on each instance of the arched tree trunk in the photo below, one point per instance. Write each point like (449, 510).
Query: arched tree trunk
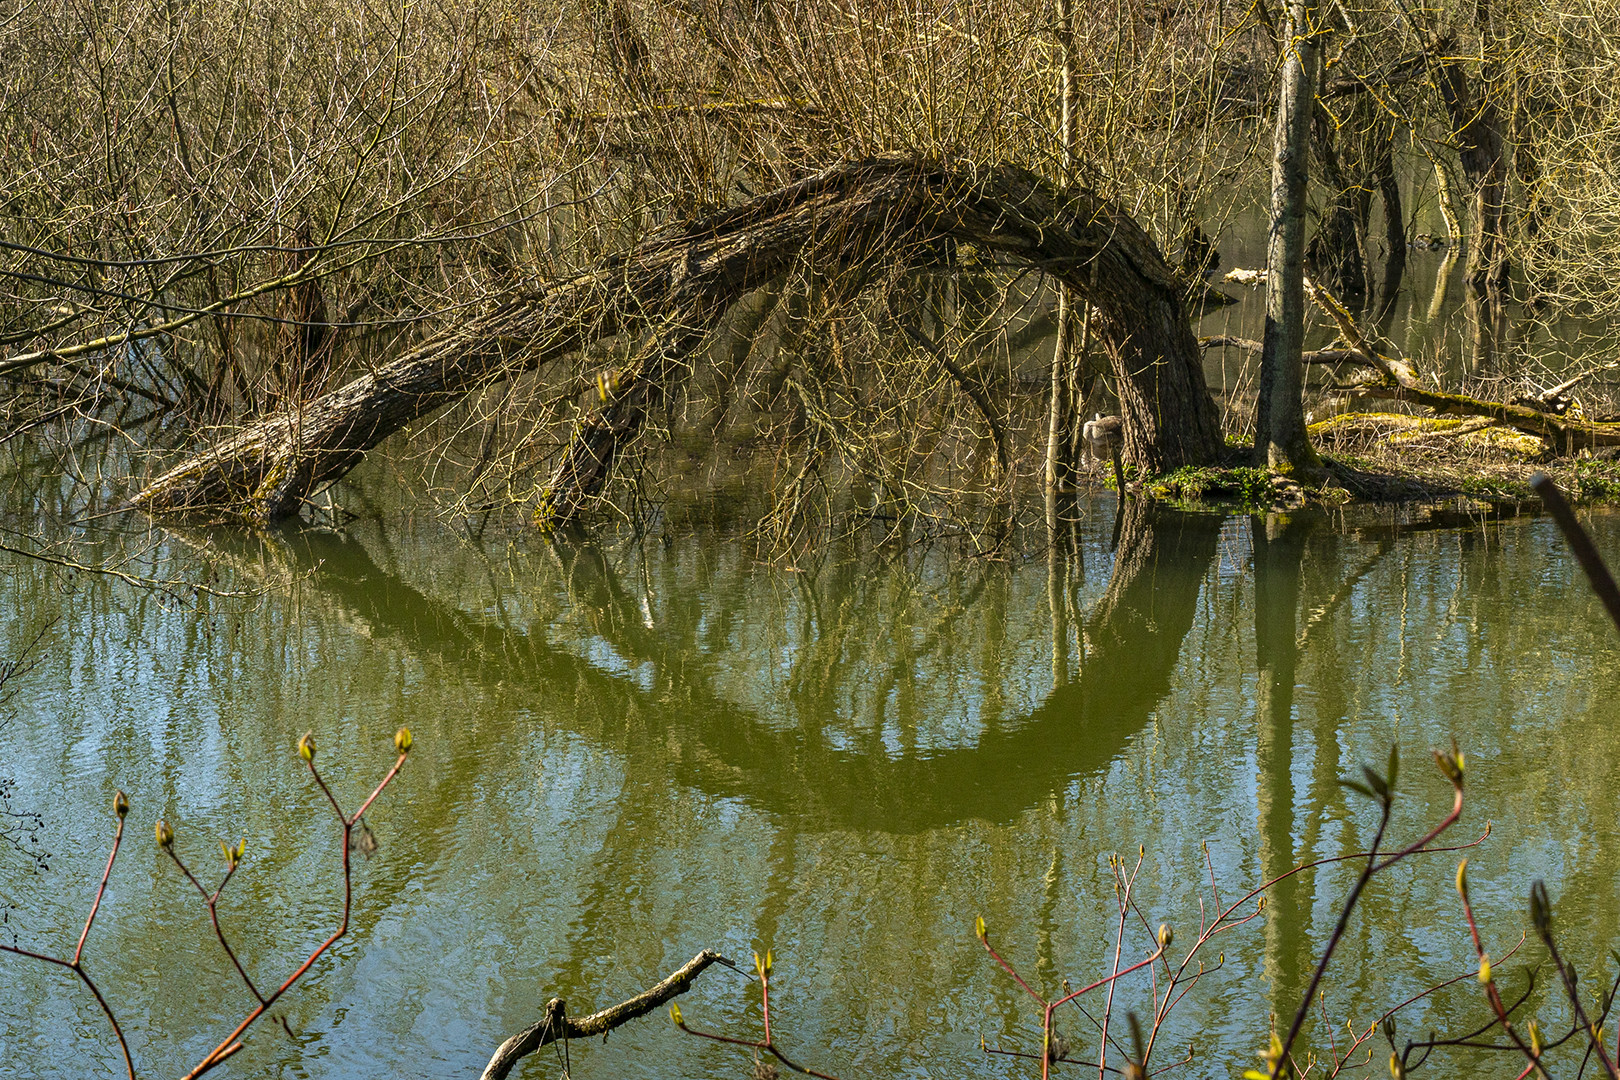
(679, 284)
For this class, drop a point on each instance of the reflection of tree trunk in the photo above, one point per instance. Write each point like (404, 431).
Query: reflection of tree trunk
(1135, 635)
(1487, 320)
(1442, 283)
(847, 218)
(1279, 548)
(1389, 188)
(1057, 600)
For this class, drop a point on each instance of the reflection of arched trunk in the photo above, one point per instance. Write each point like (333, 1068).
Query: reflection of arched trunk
(1136, 633)
(1279, 548)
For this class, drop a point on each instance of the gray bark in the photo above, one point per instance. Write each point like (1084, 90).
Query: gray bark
(1280, 440)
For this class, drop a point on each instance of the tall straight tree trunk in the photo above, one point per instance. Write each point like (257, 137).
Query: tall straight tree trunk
(1057, 464)
(1280, 440)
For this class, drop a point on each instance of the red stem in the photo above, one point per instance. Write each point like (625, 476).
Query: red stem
(118, 838)
(76, 965)
(230, 1044)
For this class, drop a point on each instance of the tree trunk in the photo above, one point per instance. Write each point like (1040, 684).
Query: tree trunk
(1477, 129)
(1058, 465)
(1389, 189)
(1337, 253)
(1280, 440)
(851, 217)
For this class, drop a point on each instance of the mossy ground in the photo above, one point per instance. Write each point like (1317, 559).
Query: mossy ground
(1395, 458)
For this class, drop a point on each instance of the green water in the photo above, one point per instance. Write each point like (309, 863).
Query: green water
(628, 752)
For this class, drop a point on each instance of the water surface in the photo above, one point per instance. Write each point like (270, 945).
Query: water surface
(630, 751)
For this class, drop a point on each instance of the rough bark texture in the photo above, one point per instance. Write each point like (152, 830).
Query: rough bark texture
(556, 1024)
(1481, 150)
(848, 216)
(1280, 439)
(1337, 252)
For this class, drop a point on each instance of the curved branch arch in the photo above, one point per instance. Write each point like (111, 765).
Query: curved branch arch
(680, 283)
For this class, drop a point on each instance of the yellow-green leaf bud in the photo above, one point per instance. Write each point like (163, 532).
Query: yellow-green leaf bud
(306, 746)
(165, 835)
(120, 805)
(402, 740)
(1484, 968)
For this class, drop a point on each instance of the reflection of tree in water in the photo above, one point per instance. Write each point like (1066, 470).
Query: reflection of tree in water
(1134, 637)
(1279, 549)
(19, 829)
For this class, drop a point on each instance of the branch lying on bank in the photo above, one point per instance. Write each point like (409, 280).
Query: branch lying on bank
(1396, 381)
(555, 1024)
(1358, 350)
(1567, 436)
(1315, 356)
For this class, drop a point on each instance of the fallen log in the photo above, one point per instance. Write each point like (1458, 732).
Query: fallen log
(1396, 381)
(848, 217)
(1566, 436)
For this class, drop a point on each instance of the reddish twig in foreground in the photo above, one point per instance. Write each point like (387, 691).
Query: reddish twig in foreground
(306, 750)
(233, 858)
(76, 965)
(768, 1044)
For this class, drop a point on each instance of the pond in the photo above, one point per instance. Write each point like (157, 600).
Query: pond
(626, 752)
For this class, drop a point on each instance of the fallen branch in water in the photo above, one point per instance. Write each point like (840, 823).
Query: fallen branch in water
(555, 1024)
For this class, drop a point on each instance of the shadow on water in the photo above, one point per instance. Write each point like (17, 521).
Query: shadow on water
(1133, 636)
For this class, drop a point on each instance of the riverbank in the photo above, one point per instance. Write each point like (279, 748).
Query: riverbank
(1383, 458)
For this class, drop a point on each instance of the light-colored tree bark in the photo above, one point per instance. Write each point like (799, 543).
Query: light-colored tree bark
(1280, 440)
(1056, 465)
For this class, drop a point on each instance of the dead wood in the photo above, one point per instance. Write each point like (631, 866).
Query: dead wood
(555, 1024)
(1566, 436)
(678, 284)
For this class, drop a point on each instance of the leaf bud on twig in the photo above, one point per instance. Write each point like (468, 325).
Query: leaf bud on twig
(979, 929)
(306, 746)
(675, 1014)
(120, 805)
(165, 835)
(1484, 969)
(1166, 935)
(1462, 880)
(402, 741)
